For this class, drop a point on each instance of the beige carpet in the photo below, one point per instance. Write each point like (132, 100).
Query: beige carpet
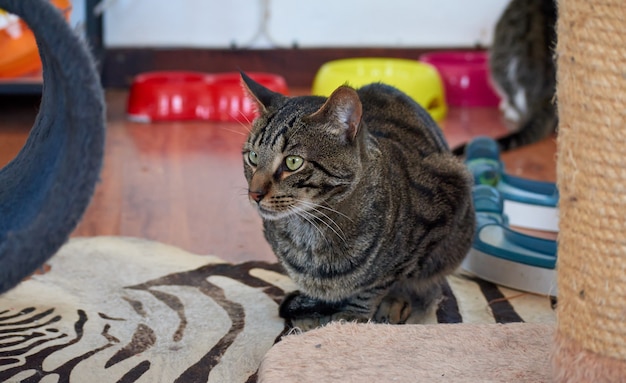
(517, 352)
(128, 310)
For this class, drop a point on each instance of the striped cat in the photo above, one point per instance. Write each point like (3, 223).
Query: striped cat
(523, 71)
(361, 200)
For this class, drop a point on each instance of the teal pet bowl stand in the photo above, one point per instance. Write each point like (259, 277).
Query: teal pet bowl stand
(528, 204)
(504, 256)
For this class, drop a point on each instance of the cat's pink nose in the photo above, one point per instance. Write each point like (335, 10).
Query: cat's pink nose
(257, 196)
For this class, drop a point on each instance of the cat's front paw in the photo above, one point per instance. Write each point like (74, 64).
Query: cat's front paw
(393, 310)
(297, 305)
(307, 313)
(306, 324)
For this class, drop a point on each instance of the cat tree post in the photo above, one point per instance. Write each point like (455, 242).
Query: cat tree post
(590, 341)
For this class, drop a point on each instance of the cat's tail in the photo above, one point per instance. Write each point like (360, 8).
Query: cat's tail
(539, 125)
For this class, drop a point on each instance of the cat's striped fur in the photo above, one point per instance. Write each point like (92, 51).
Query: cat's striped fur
(523, 71)
(378, 212)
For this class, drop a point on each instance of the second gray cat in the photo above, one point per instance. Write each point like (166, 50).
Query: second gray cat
(523, 71)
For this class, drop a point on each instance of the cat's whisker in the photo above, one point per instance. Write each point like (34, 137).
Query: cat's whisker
(326, 216)
(338, 231)
(309, 214)
(302, 214)
(246, 126)
(233, 131)
(313, 204)
(245, 118)
(296, 131)
(240, 189)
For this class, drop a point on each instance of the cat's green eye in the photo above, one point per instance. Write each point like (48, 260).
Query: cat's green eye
(253, 157)
(293, 163)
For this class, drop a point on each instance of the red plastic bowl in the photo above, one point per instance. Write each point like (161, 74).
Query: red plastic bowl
(231, 101)
(465, 77)
(187, 96)
(168, 96)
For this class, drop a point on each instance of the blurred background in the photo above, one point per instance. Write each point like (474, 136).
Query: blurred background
(304, 24)
(289, 37)
(181, 182)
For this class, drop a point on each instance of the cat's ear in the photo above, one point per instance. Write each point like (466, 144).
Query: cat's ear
(265, 98)
(344, 108)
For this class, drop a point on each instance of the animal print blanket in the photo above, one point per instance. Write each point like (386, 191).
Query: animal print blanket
(127, 310)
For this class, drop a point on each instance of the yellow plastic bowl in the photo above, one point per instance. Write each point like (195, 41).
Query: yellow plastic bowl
(419, 80)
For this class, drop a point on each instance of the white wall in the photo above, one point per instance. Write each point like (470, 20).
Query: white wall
(307, 23)
(77, 16)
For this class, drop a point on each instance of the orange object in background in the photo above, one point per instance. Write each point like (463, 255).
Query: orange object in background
(19, 55)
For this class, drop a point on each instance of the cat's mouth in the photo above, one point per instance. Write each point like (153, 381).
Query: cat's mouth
(278, 207)
(272, 215)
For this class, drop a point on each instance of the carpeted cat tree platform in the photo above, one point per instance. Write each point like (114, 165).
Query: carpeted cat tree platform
(589, 342)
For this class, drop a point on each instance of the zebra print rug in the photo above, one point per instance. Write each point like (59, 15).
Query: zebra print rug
(127, 310)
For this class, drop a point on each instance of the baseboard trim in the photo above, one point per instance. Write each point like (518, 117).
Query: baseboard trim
(298, 66)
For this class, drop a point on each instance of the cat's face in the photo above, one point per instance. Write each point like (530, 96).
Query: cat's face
(301, 155)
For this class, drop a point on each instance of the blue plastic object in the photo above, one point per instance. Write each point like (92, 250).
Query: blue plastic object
(483, 160)
(494, 237)
(530, 204)
(507, 257)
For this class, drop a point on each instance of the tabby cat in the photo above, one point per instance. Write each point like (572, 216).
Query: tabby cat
(361, 200)
(523, 70)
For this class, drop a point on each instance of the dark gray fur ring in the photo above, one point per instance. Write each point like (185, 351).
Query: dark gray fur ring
(46, 188)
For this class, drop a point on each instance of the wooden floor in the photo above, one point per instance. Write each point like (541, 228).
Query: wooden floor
(183, 184)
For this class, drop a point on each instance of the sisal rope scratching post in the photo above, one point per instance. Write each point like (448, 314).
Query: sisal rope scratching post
(590, 343)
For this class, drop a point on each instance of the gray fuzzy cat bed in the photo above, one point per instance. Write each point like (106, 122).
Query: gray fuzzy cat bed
(45, 189)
